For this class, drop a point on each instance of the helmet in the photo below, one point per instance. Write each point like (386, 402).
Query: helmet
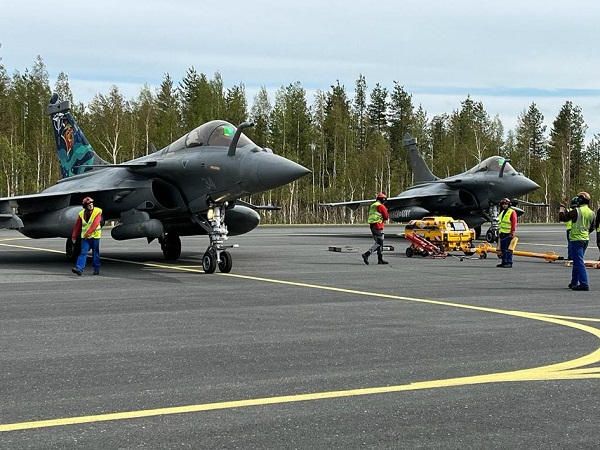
(584, 198)
(505, 201)
(574, 202)
(381, 196)
(86, 201)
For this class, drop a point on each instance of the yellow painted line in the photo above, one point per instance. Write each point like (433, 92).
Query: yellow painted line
(26, 247)
(571, 369)
(584, 319)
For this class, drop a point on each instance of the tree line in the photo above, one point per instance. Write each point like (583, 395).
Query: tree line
(351, 140)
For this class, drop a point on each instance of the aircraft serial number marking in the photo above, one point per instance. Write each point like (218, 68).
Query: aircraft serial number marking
(566, 370)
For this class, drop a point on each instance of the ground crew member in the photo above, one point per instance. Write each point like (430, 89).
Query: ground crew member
(378, 214)
(88, 226)
(508, 227)
(583, 222)
(568, 224)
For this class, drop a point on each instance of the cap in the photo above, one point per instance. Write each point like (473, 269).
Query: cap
(86, 201)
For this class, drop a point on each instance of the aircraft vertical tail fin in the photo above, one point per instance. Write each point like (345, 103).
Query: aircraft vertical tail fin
(75, 154)
(420, 170)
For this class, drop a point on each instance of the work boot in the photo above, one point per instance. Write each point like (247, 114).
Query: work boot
(500, 265)
(365, 257)
(96, 272)
(381, 261)
(76, 271)
(581, 287)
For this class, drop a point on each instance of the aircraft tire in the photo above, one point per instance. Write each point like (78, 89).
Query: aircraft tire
(72, 251)
(171, 247)
(209, 261)
(226, 262)
(409, 252)
(491, 236)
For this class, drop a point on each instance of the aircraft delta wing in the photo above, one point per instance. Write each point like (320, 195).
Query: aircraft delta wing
(473, 196)
(190, 187)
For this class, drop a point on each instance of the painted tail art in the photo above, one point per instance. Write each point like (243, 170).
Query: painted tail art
(75, 154)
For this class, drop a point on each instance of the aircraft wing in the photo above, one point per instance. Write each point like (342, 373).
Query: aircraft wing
(258, 207)
(353, 204)
(417, 192)
(526, 203)
(49, 201)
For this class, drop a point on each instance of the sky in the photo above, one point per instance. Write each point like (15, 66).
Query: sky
(506, 54)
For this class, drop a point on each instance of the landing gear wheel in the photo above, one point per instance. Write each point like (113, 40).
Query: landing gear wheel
(226, 262)
(171, 246)
(409, 252)
(491, 236)
(209, 261)
(72, 251)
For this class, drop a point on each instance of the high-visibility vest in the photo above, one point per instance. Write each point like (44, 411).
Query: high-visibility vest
(505, 225)
(581, 227)
(85, 225)
(374, 214)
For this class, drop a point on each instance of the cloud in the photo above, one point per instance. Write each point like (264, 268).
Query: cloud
(507, 54)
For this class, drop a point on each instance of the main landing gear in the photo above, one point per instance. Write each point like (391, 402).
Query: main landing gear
(170, 245)
(216, 255)
(492, 233)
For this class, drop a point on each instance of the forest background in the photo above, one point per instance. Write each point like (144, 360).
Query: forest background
(351, 140)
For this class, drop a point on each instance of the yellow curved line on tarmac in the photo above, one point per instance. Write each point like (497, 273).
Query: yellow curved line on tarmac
(566, 370)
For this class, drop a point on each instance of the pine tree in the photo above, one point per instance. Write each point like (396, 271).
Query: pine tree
(359, 110)
(261, 110)
(377, 109)
(566, 145)
(236, 108)
(166, 119)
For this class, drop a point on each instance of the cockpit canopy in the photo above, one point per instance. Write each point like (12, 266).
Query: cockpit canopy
(216, 133)
(493, 164)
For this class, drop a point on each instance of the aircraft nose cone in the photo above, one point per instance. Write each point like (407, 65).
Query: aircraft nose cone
(529, 185)
(273, 171)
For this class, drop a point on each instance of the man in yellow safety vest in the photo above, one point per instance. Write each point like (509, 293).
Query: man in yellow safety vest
(88, 226)
(582, 218)
(378, 214)
(508, 227)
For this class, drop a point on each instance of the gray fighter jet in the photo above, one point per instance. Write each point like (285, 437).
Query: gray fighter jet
(472, 195)
(191, 187)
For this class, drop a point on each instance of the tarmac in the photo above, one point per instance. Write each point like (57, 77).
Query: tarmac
(298, 347)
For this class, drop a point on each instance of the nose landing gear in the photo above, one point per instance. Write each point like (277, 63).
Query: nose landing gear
(216, 255)
(492, 233)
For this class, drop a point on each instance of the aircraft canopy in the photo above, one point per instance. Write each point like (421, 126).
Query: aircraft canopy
(216, 133)
(493, 164)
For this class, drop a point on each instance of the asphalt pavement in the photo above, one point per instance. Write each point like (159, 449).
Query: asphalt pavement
(298, 347)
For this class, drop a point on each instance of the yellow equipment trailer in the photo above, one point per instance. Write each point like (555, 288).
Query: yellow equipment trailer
(446, 233)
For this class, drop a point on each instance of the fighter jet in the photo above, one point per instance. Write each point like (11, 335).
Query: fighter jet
(191, 187)
(472, 196)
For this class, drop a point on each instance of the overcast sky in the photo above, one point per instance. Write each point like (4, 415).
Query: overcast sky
(506, 54)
